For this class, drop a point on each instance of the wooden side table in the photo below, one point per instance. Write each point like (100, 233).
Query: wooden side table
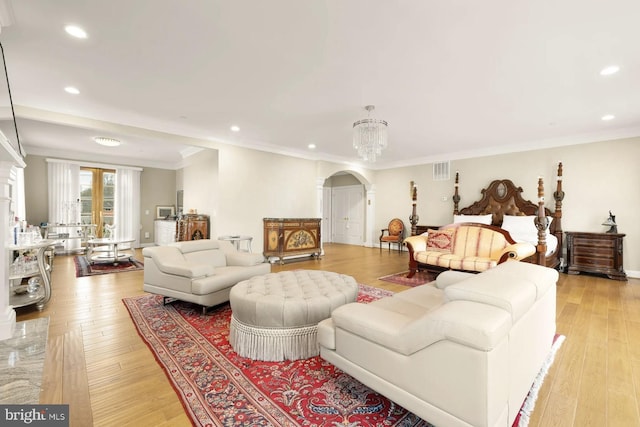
(595, 253)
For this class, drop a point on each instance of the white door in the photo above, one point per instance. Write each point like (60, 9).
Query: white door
(348, 214)
(326, 214)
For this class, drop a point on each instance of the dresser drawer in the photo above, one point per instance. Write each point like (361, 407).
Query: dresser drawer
(593, 243)
(590, 261)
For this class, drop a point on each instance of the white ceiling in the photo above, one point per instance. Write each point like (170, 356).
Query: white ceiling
(453, 78)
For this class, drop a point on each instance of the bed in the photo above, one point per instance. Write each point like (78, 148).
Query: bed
(502, 205)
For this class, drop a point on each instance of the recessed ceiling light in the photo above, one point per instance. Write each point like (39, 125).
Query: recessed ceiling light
(75, 31)
(611, 69)
(109, 142)
(235, 129)
(311, 146)
(72, 90)
(608, 117)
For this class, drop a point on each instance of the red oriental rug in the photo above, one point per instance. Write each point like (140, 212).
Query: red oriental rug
(420, 278)
(219, 388)
(84, 268)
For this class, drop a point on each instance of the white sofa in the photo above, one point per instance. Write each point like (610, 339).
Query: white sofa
(462, 352)
(199, 271)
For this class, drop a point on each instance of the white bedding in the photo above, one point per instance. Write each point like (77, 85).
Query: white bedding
(552, 242)
(523, 229)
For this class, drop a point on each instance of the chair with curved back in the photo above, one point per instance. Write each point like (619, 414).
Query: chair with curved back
(394, 234)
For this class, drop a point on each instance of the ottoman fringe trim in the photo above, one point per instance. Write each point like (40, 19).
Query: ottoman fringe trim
(273, 344)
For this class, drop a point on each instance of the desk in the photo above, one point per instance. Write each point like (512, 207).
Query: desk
(111, 252)
(236, 240)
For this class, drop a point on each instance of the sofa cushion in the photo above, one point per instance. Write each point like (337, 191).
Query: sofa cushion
(447, 278)
(407, 326)
(512, 286)
(440, 240)
(478, 242)
(244, 258)
(543, 278)
(393, 323)
(226, 277)
(455, 261)
(426, 296)
(469, 323)
(196, 245)
(214, 257)
(170, 260)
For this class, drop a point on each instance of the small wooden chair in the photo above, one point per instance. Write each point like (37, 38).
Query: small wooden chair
(394, 234)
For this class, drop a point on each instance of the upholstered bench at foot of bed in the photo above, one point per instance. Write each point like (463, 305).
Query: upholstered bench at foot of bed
(275, 316)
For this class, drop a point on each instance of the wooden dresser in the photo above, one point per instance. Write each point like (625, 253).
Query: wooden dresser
(291, 236)
(595, 253)
(192, 227)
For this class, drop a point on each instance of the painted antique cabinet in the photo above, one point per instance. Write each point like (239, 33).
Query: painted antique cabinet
(192, 227)
(287, 237)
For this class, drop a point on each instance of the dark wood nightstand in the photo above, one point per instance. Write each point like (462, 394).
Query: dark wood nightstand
(595, 253)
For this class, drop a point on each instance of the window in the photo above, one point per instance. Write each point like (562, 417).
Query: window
(97, 191)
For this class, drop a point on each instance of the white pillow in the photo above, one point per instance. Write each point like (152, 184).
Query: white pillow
(521, 228)
(482, 219)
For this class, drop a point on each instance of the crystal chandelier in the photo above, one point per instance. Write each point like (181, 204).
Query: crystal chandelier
(370, 136)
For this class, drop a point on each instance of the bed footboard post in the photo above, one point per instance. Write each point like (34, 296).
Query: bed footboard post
(541, 222)
(456, 196)
(558, 195)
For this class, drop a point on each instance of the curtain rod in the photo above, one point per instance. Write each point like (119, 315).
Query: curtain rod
(94, 165)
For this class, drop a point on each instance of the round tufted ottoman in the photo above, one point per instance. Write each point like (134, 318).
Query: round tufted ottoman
(275, 316)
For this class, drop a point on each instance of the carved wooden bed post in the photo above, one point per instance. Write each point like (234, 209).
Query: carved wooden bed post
(558, 195)
(456, 196)
(541, 222)
(414, 217)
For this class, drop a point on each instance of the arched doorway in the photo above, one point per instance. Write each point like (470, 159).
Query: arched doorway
(346, 203)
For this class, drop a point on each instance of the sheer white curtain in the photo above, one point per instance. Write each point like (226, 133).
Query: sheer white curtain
(64, 192)
(127, 205)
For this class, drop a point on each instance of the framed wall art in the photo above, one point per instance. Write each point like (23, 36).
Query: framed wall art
(167, 211)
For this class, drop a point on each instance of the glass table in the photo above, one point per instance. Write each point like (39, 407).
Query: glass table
(108, 250)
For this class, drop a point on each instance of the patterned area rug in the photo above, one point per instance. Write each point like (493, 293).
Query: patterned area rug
(84, 268)
(420, 278)
(219, 388)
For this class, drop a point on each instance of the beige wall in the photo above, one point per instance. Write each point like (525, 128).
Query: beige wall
(598, 177)
(36, 193)
(255, 184)
(157, 187)
(200, 184)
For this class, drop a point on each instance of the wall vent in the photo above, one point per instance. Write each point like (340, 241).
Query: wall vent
(441, 171)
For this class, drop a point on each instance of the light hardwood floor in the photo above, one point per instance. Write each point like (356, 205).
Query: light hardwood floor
(97, 363)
